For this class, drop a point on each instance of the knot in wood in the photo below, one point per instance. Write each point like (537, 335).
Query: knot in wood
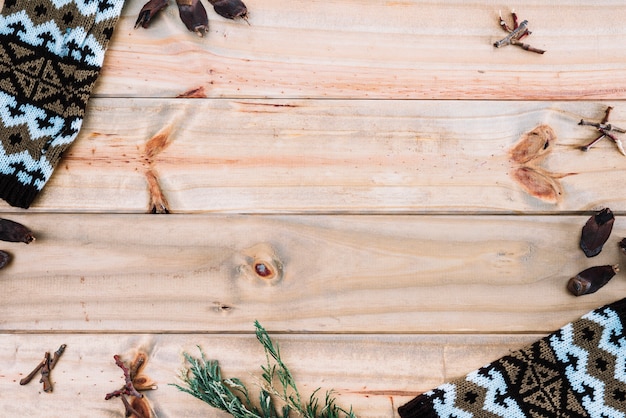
(262, 263)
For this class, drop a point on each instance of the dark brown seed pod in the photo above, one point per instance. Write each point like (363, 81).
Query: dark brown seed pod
(230, 9)
(193, 14)
(148, 11)
(622, 246)
(4, 258)
(596, 232)
(590, 280)
(14, 232)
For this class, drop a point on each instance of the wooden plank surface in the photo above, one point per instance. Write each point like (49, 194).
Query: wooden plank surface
(348, 156)
(379, 274)
(356, 367)
(358, 149)
(375, 49)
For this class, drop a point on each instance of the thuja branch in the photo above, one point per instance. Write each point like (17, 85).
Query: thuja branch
(203, 380)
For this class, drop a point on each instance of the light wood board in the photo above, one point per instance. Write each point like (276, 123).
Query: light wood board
(338, 156)
(360, 149)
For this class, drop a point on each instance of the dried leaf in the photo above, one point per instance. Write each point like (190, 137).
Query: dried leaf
(148, 11)
(596, 232)
(534, 145)
(539, 183)
(591, 280)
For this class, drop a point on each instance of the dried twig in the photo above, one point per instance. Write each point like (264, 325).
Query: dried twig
(134, 381)
(519, 31)
(44, 367)
(605, 130)
(128, 388)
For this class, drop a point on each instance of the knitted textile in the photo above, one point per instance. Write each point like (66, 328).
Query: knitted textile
(51, 52)
(577, 371)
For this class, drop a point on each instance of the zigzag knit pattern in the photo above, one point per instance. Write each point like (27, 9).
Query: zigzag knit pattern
(51, 53)
(578, 371)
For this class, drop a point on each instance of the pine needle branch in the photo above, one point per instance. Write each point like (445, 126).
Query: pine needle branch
(203, 380)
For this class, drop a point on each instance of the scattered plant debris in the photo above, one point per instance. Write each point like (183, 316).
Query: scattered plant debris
(591, 280)
(192, 13)
(596, 232)
(135, 381)
(204, 381)
(605, 130)
(44, 367)
(515, 34)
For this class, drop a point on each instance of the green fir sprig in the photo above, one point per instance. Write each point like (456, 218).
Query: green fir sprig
(203, 380)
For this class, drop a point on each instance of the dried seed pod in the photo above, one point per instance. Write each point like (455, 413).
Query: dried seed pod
(148, 11)
(590, 280)
(534, 145)
(230, 9)
(622, 246)
(193, 14)
(596, 232)
(539, 183)
(15, 232)
(4, 258)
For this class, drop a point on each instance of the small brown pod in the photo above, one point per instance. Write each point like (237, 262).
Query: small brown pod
(4, 259)
(622, 246)
(230, 9)
(193, 14)
(591, 280)
(596, 232)
(15, 232)
(148, 11)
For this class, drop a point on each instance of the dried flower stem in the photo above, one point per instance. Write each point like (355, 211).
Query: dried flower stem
(605, 130)
(130, 410)
(128, 388)
(516, 33)
(134, 381)
(44, 367)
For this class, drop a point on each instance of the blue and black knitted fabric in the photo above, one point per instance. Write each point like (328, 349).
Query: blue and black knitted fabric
(51, 52)
(578, 371)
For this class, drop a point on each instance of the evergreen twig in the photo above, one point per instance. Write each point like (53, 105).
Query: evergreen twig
(203, 380)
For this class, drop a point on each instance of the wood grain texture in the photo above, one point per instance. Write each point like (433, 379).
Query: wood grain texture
(348, 156)
(374, 373)
(356, 152)
(389, 274)
(374, 49)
